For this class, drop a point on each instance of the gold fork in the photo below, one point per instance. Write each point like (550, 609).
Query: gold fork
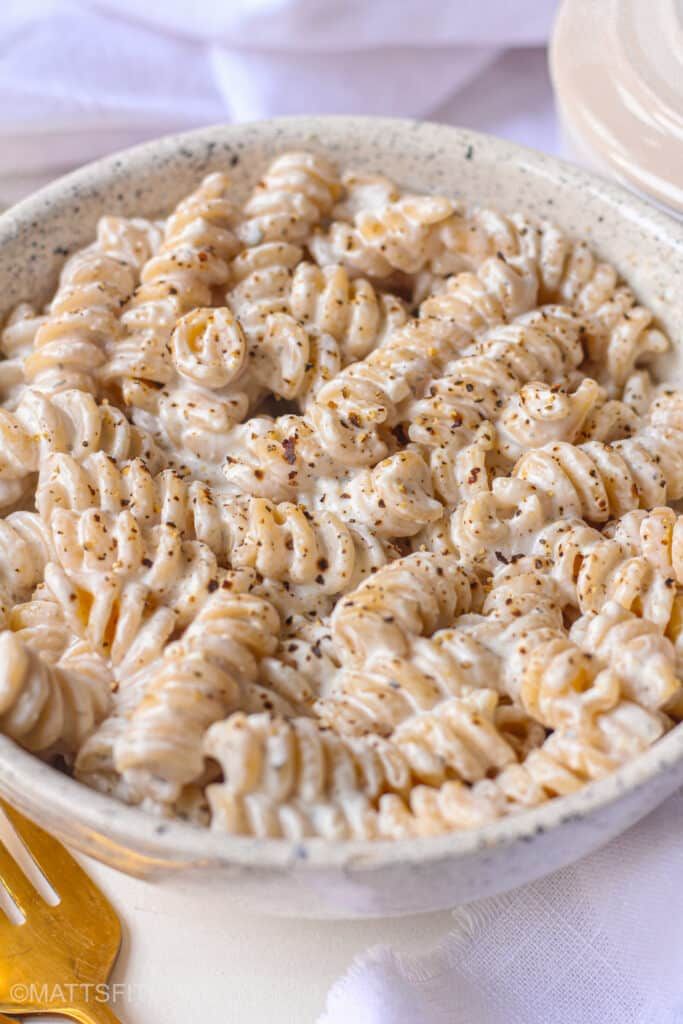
(60, 958)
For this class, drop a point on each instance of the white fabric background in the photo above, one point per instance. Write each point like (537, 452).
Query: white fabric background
(80, 79)
(601, 941)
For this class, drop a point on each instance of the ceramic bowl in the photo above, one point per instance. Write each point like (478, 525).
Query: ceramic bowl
(347, 879)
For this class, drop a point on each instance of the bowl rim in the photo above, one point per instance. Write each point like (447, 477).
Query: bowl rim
(42, 791)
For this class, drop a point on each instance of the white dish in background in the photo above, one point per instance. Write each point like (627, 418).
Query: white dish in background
(617, 69)
(347, 879)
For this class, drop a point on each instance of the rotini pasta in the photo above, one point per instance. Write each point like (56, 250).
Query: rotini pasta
(198, 681)
(594, 481)
(305, 323)
(510, 378)
(40, 624)
(70, 421)
(191, 261)
(348, 309)
(82, 324)
(621, 332)
(547, 671)
(295, 778)
(353, 413)
(295, 193)
(16, 342)
(559, 767)
(630, 563)
(48, 707)
(352, 418)
(342, 512)
(413, 596)
(540, 346)
(303, 664)
(112, 580)
(19, 332)
(25, 549)
(635, 648)
(286, 541)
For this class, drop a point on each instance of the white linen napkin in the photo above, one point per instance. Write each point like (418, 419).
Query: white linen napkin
(600, 942)
(81, 78)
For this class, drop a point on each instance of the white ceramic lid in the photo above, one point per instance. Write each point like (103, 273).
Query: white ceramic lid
(617, 67)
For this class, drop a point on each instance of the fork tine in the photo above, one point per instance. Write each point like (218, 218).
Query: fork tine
(52, 859)
(15, 881)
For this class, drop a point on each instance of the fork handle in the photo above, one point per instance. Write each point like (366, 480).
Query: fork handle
(92, 1013)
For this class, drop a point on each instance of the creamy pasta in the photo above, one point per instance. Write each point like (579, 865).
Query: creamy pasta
(343, 512)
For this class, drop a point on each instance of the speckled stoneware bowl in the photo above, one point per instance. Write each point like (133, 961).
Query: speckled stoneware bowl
(351, 879)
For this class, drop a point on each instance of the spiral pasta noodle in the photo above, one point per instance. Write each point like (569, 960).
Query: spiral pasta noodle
(94, 764)
(545, 669)
(305, 323)
(351, 413)
(594, 481)
(212, 389)
(40, 624)
(70, 421)
(597, 480)
(295, 193)
(413, 596)
(131, 241)
(535, 663)
(301, 667)
(82, 324)
(47, 707)
(622, 334)
(121, 587)
(192, 260)
(25, 549)
(286, 541)
(16, 342)
(538, 414)
(559, 767)
(637, 651)
(295, 778)
(18, 334)
(350, 310)
(508, 380)
(198, 681)
(402, 233)
(350, 420)
(540, 346)
(387, 674)
(631, 563)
